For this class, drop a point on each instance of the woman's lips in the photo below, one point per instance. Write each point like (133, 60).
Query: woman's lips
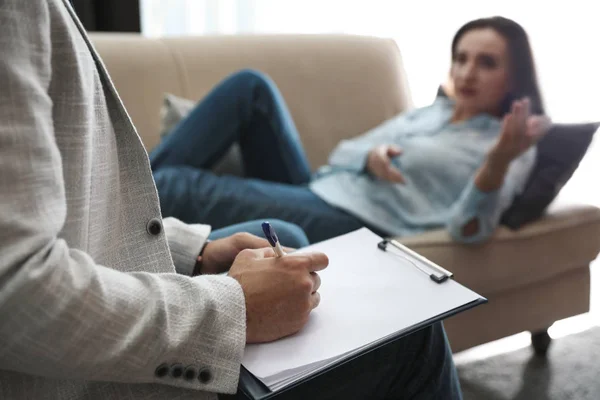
(467, 92)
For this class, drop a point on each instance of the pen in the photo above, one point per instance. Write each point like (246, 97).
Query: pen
(272, 238)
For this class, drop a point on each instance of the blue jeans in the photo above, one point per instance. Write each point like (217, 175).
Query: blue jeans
(246, 108)
(417, 367)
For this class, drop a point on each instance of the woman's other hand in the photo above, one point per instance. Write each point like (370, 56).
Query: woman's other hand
(520, 131)
(379, 163)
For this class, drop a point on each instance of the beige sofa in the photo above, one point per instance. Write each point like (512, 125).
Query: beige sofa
(340, 86)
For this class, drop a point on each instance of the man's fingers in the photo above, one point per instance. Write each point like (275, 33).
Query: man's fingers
(249, 241)
(256, 254)
(316, 281)
(310, 261)
(318, 262)
(315, 300)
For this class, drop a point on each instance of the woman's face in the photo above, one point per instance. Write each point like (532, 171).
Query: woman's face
(480, 71)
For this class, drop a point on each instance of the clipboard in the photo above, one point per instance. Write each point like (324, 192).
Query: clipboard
(252, 388)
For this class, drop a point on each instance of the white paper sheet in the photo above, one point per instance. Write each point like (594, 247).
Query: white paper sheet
(366, 294)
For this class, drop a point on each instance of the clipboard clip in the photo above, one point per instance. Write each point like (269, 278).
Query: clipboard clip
(435, 273)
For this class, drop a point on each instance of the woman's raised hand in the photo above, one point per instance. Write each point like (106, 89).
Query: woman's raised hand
(520, 131)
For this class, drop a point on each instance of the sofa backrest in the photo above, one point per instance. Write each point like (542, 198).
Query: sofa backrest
(336, 86)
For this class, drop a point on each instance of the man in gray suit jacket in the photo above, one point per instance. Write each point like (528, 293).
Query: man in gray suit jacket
(97, 298)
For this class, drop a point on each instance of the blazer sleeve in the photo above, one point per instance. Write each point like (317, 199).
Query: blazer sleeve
(62, 315)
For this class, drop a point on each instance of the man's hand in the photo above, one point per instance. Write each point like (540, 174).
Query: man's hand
(379, 163)
(219, 254)
(280, 292)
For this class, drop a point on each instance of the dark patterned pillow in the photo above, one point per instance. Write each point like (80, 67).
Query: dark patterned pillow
(558, 156)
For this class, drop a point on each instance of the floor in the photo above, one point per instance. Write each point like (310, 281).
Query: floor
(569, 372)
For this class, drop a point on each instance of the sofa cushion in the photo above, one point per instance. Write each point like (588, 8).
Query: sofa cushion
(564, 240)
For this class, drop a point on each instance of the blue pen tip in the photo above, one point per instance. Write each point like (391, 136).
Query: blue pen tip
(266, 227)
(269, 233)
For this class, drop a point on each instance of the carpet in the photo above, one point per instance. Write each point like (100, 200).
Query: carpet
(570, 371)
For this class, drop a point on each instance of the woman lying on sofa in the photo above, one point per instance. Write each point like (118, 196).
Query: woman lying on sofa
(457, 163)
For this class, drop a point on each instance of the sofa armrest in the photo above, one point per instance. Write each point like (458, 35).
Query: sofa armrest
(564, 239)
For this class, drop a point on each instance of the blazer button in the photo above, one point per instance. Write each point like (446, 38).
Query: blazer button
(154, 226)
(176, 370)
(190, 373)
(161, 371)
(204, 376)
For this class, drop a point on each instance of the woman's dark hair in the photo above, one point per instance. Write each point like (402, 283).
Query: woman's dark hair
(522, 66)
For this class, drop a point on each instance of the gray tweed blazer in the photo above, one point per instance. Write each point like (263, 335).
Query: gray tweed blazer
(94, 298)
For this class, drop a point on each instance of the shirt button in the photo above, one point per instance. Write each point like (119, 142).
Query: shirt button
(204, 376)
(161, 371)
(190, 373)
(154, 226)
(176, 370)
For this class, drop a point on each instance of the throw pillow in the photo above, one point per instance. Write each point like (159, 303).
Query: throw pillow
(558, 156)
(173, 110)
(176, 108)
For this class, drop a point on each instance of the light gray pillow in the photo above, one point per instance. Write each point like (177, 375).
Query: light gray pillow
(173, 110)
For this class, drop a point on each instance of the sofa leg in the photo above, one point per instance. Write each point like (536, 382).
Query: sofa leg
(541, 341)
